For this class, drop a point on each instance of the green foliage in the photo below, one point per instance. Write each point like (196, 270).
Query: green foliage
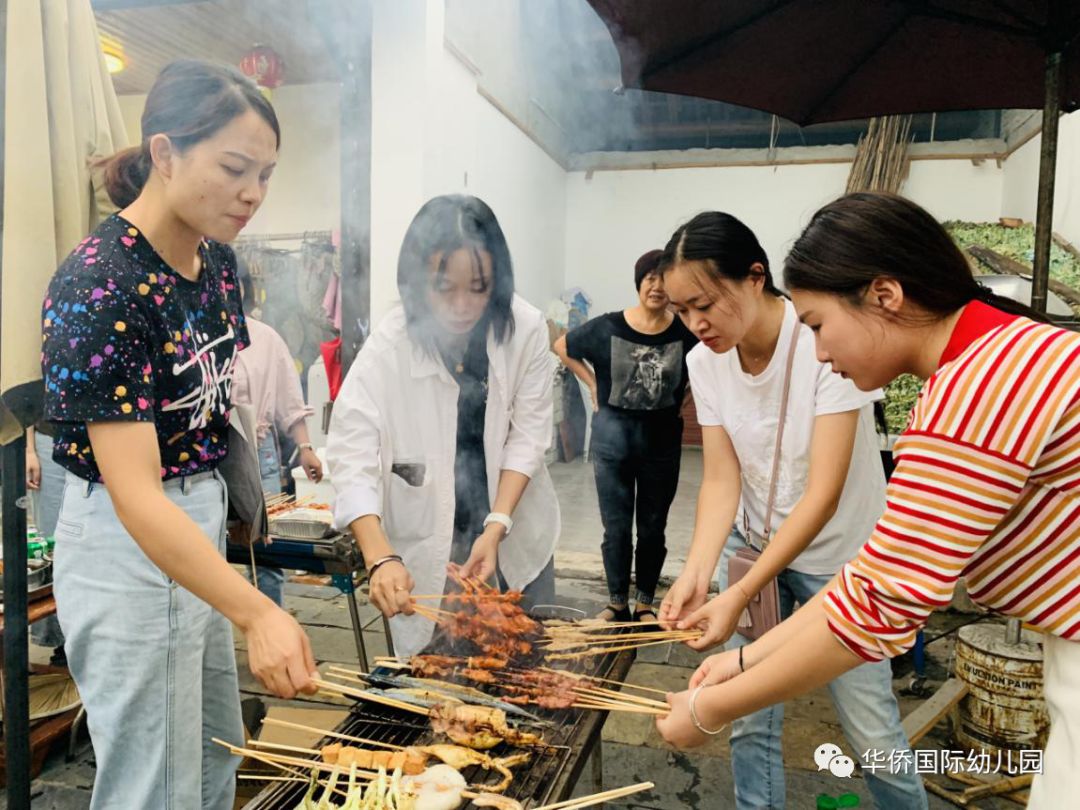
(900, 396)
(1017, 244)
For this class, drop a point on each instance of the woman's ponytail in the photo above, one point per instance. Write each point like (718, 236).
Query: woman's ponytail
(125, 175)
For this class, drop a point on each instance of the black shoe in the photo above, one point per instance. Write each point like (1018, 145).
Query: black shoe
(58, 657)
(615, 614)
(646, 614)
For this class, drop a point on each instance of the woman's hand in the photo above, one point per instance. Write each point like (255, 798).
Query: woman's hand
(686, 595)
(309, 460)
(33, 468)
(718, 618)
(485, 553)
(279, 653)
(716, 669)
(595, 397)
(677, 728)
(390, 588)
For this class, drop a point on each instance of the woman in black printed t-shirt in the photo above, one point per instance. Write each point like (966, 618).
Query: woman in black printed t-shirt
(142, 323)
(634, 362)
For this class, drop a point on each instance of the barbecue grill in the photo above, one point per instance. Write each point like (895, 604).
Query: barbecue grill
(336, 555)
(550, 775)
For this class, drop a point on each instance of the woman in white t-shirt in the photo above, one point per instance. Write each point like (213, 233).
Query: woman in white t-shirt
(830, 490)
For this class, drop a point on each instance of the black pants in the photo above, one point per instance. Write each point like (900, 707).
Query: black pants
(637, 473)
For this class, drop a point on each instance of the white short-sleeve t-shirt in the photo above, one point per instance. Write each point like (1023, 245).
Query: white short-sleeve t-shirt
(748, 408)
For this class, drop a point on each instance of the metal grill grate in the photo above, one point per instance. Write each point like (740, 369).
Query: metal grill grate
(571, 736)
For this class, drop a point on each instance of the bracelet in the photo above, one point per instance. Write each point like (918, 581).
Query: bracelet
(694, 717)
(741, 667)
(502, 519)
(305, 446)
(742, 590)
(382, 561)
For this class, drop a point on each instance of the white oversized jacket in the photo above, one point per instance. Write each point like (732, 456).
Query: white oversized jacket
(398, 405)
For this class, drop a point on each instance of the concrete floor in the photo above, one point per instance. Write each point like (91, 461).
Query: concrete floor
(632, 749)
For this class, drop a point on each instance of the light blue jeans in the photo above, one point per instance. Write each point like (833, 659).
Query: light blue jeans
(45, 505)
(864, 702)
(154, 664)
(271, 581)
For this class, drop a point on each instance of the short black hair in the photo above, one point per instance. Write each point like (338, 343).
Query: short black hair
(444, 225)
(648, 263)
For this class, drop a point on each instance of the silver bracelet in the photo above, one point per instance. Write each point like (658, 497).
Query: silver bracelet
(694, 717)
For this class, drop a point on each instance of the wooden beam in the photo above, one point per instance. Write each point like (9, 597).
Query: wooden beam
(919, 723)
(1006, 266)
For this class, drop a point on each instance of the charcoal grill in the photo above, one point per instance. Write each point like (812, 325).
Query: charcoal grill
(549, 776)
(336, 555)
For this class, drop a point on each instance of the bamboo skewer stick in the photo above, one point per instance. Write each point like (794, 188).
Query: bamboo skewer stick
(282, 747)
(601, 651)
(598, 679)
(611, 694)
(329, 686)
(619, 707)
(597, 798)
(677, 635)
(336, 735)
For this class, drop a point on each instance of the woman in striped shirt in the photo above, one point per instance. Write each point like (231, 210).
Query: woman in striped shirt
(987, 482)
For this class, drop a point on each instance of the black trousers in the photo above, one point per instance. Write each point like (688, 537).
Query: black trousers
(637, 472)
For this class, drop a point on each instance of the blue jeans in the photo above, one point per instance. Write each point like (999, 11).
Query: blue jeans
(864, 702)
(154, 664)
(271, 581)
(45, 506)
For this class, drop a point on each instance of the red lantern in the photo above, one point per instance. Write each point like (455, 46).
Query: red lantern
(264, 66)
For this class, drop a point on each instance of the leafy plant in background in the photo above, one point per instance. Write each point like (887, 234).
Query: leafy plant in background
(900, 396)
(1017, 244)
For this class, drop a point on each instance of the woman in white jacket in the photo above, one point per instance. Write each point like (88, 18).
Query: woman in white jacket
(436, 447)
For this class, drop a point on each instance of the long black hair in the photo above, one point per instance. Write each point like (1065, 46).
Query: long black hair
(190, 101)
(724, 245)
(445, 225)
(863, 236)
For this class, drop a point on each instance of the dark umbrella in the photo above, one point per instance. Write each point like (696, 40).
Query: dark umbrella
(813, 61)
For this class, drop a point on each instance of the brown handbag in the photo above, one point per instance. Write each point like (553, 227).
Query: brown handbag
(762, 613)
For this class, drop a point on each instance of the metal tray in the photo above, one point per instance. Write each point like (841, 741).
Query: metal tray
(296, 529)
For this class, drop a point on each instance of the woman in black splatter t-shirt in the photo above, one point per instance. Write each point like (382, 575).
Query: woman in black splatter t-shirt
(142, 323)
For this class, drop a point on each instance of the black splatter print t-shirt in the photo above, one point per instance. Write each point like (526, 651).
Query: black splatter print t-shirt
(126, 338)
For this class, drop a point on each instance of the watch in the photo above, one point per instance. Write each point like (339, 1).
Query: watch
(500, 518)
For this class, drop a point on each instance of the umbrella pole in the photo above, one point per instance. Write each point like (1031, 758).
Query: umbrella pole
(13, 525)
(1044, 218)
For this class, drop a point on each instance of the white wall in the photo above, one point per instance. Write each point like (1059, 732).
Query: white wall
(305, 191)
(433, 133)
(615, 216)
(1021, 182)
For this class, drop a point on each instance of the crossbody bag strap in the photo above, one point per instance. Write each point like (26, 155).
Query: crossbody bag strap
(780, 434)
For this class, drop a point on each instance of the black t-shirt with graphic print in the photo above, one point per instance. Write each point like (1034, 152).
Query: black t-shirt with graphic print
(639, 377)
(126, 338)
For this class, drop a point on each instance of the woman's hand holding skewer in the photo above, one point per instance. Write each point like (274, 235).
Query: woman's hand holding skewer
(717, 618)
(687, 594)
(391, 588)
(485, 554)
(279, 653)
(677, 727)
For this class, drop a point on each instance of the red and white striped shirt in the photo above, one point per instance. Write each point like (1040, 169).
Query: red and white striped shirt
(987, 485)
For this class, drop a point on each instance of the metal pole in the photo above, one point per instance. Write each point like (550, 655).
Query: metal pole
(13, 484)
(16, 652)
(1044, 218)
(1013, 629)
